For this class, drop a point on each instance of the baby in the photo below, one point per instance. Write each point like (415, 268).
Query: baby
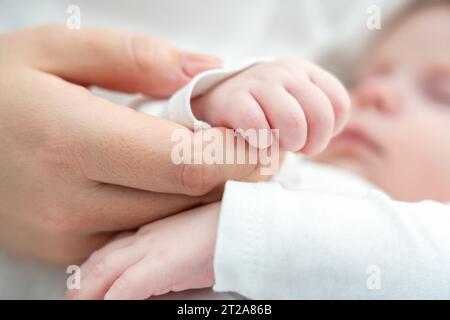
(396, 137)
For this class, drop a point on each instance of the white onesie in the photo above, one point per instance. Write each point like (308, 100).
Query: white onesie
(316, 232)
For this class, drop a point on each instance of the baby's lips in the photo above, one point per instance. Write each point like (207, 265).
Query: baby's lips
(194, 63)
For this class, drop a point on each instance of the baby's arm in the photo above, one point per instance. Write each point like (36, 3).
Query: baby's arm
(273, 243)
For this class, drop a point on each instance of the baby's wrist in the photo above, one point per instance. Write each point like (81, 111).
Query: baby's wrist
(199, 106)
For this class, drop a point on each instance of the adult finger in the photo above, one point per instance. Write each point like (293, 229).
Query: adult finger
(128, 62)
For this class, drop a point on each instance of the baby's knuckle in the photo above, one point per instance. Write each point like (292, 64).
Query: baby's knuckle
(122, 283)
(99, 269)
(283, 72)
(289, 63)
(252, 118)
(143, 240)
(94, 257)
(107, 263)
(295, 120)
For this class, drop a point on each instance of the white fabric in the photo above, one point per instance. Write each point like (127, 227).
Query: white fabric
(310, 243)
(178, 107)
(234, 30)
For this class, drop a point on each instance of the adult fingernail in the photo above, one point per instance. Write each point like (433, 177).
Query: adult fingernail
(194, 63)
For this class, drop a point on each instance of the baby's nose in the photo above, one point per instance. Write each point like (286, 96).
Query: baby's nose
(378, 93)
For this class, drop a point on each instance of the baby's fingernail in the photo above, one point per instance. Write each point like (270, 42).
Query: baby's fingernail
(194, 63)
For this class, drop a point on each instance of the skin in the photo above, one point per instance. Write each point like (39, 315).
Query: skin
(76, 169)
(307, 104)
(396, 137)
(401, 103)
(119, 270)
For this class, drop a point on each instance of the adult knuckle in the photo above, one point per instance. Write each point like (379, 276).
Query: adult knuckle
(143, 51)
(57, 153)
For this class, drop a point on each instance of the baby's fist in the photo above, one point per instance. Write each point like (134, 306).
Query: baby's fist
(307, 104)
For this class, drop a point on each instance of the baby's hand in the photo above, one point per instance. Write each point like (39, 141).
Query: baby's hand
(171, 254)
(307, 104)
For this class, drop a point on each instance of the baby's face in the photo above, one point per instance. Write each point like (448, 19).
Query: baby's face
(398, 135)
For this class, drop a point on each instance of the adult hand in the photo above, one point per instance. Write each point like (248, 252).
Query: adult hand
(75, 169)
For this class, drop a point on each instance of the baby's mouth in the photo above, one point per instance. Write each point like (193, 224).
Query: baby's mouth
(357, 139)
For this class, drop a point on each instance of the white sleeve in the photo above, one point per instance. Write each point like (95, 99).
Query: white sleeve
(178, 108)
(275, 243)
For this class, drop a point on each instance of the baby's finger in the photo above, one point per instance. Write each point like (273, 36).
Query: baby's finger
(318, 112)
(244, 113)
(146, 278)
(284, 113)
(337, 94)
(120, 241)
(106, 271)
